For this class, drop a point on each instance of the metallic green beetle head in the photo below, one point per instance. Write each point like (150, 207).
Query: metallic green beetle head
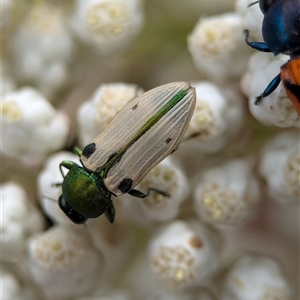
(84, 195)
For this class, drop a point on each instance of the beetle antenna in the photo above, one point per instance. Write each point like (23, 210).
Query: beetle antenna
(192, 136)
(253, 3)
(49, 198)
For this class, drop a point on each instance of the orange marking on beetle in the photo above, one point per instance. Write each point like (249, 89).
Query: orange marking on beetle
(290, 76)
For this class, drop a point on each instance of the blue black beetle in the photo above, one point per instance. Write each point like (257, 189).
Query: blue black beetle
(281, 34)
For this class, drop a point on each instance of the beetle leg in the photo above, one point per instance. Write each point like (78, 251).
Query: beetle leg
(253, 3)
(260, 46)
(61, 171)
(193, 135)
(139, 194)
(49, 198)
(269, 89)
(110, 213)
(78, 151)
(175, 149)
(67, 164)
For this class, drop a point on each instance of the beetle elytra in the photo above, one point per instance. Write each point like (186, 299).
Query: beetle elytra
(141, 135)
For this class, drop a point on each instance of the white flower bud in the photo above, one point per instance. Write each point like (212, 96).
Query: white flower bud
(276, 109)
(218, 48)
(94, 114)
(109, 26)
(48, 192)
(10, 287)
(280, 167)
(19, 220)
(144, 284)
(183, 254)
(252, 18)
(166, 177)
(227, 194)
(63, 262)
(255, 278)
(31, 126)
(42, 48)
(217, 117)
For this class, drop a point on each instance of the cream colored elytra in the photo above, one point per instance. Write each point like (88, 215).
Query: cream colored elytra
(141, 154)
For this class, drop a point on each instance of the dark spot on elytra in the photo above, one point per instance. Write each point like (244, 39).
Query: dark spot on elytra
(89, 150)
(135, 107)
(168, 140)
(125, 185)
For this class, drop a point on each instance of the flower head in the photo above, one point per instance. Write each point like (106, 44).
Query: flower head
(255, 278)
(64, 256)
(32, 128)
(19, 220)
(46, 65)
(184, 254)
(94, 114)
(217, 47)
(280, 166)
(217, 117)
(227, 194)
(107, 25)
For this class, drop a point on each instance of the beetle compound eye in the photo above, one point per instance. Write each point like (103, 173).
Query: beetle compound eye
(73, 215)
(264, 5)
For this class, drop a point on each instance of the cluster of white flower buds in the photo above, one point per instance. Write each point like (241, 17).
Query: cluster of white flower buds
(220, 221)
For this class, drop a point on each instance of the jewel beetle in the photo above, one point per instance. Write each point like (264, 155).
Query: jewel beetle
(281, 34)
(141, 135)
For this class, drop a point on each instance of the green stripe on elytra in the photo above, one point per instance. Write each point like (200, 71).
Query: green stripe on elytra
(116, 157)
